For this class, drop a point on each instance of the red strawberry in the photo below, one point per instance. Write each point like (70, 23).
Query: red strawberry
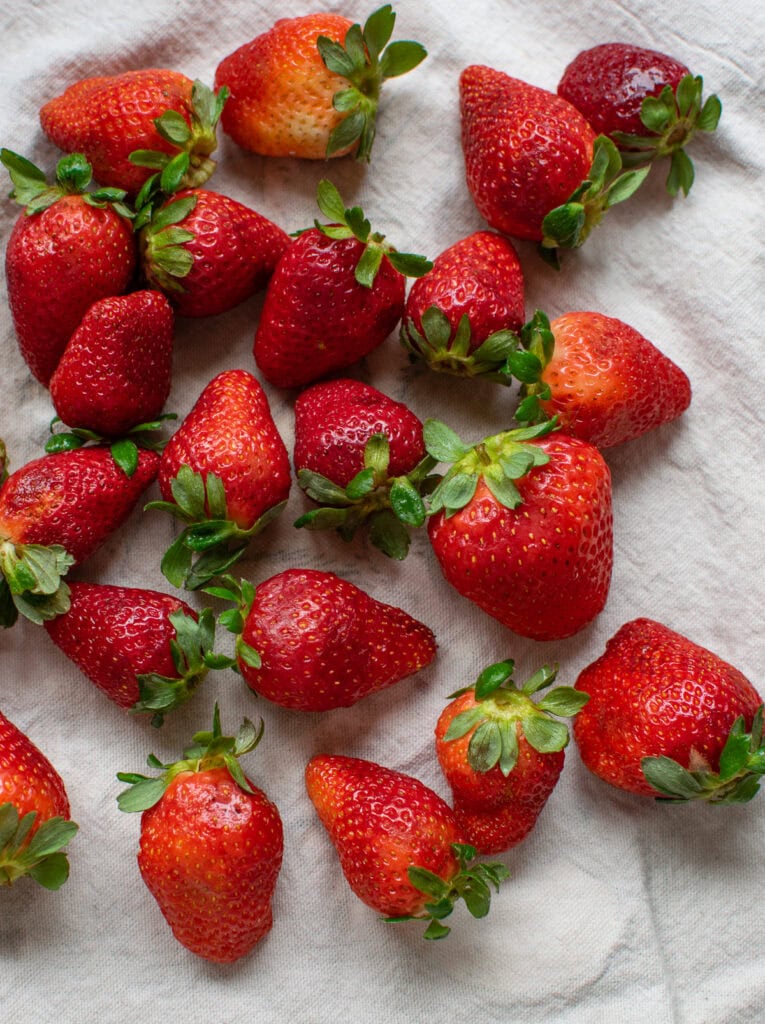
(66, 251)
(225, 473)
(604, 381)
(311, 641)
(400, 847)
(211, 845)
(208, 253)
(522, 525)
(460, 316)
(159, 115)
(309, 86)
(145, 650)
(34, 812)
(336, 294)
(502, 753)
(667, 717)
(646, 101)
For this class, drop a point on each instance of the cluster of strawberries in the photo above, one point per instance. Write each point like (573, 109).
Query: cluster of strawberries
(520, 522)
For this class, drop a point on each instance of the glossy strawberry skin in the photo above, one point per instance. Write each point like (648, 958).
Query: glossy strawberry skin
(544, 568)
(210, 854)
(655, 693)
(526, 150)
(58, 262)
(609, 82)
(335, 419)
(317, 319)
(27, 778)
(325, 643)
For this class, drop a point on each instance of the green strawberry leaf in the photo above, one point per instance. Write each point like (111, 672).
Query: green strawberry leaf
(442, 443)
(545, 734)
(389, 535)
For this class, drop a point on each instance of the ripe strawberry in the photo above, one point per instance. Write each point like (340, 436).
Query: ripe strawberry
(54, 512)
(502, 753)
(647, 102)
(132, 124)
(34, 812)
(667, 717)
(67, 250)
(460, 317)
(522, 525)
(207, 252)
(311, 641)
(225, 473)
(400, 847)
(603, 380)
(533, 164)
(336, 294)
(211, 844)
(309, 87)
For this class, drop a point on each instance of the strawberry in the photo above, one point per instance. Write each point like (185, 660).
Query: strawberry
(311, 641)
(137, 122)
(67, 250)
(147, 651)
(400, 847)
(522, 526)
(207, 252)
(211, 844)
(648, 102)
(502, 753)
(460, 316)
(54, 513)
(361, 456)
(601, 378)
(666, 717)
(309, 86)
(336, 294)
(533, 164)
(34, 813)
(225, 474)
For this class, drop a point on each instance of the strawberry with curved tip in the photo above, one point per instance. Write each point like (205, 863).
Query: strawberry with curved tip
(34, 813)
(668, 718)
(309, 87)
(211, 844)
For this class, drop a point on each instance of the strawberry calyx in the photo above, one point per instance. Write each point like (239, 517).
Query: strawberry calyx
(365, 60)
(164, 256)
(447, 351)
(737, 780)
(241, 595)
(40, 856)
(32, 581)
(73, 176)
(124, 450)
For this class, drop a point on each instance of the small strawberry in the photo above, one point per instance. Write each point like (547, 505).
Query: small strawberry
(207, 252)
(463, 314)
(502, 753)
(309, 87)
(647, 102)
(34, 813)
(67, 250)
(311, 641)
(135, 123)
(225, 473)
(211, 844)
(400, 847)
(522, 526)
(336, 294)
(666, 717)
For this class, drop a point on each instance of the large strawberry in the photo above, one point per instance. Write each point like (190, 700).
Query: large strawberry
(336, 294)
(310, 86)
(667, 717)
(34, 812)
(211, 844)
(646, 101)
(502, 752)
(311, 641)
(522, 525)
(400, 847)
(158, 117)
(67, 250)
(225, 473)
